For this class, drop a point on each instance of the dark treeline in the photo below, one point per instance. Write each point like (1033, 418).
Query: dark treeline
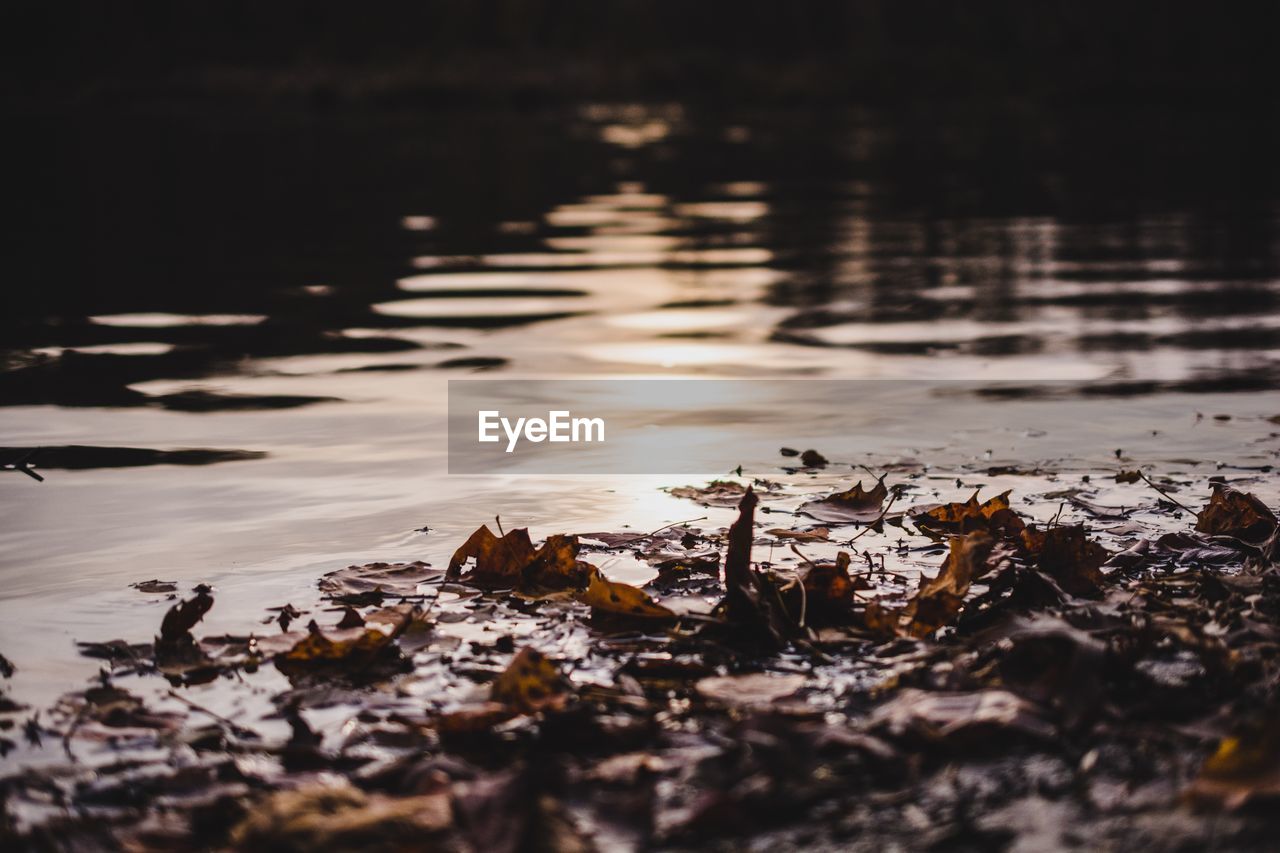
(547, 50)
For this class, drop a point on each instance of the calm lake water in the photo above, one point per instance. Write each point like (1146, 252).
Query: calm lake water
(291, 293)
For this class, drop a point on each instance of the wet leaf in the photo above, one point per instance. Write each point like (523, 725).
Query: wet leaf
(155, 586)
(750, 599)
(334, 815)
(946, 716)
(1067, 555)
(813, 459)
(855, 505)
(816, 534)
(825, 594)
(725, 493)
(183, 616)
(1243, 769)
(372, 583)
(1128, 476)
(757, 688)
(349, 649)
(530, 684)
(621, 599)
(513, 563)
(1234, 513)
(993, 515)
(939, 598)
(1175, 549)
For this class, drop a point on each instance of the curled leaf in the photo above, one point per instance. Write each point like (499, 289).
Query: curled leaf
(512, 562)
(993, 515)
(1233, 513)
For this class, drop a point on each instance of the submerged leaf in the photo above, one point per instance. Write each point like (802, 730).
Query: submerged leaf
(725, 493)
(817, 534)
(370, 584)
(856, 505)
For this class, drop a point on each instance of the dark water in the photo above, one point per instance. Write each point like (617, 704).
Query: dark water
(285, 294)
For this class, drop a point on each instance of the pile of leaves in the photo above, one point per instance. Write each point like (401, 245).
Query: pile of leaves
(1033, 686)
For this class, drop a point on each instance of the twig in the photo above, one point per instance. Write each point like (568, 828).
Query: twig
(236, 729)
(1171, 498)
(883, 513)
(659, 530)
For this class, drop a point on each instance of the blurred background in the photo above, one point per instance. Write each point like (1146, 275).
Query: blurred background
(265, 234)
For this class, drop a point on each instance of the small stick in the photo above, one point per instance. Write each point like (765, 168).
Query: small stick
(659, 530)
(1171, 498)
(236, 729)
(883, 513)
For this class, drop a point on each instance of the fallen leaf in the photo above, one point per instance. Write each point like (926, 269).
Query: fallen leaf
(622, 599)
(939, 598)
(944, 716)
(724, 493)
(372, 583)
(812, 459)
(759, 688)
(512, 562)
(1233, 513)
(816, 534)
(335, 815)
(825, 594)
(993, 515)
(155, 586)
(750, 599)
(1128, 476)
(530, 684)
(183, 616)
(853, 506)
(1067, 555)
(349, 649)
(1175, 549)
(1244, 768)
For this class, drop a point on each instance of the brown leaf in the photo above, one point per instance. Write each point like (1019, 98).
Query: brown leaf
(825, 593)
(749, 598)
(183, 616)
(1244, 768)
(856, 505)
(512, 562)
(531, 683)
(370, 584)
(939, 598)
(944, 716)
(817, 534)
(1068, 556)
(1233, 513)
(338, 816)
(622, 599)
(724, 493)
(1128, 476)
(348, 648)
(993, 516)
(813, 459)
(759, 688)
